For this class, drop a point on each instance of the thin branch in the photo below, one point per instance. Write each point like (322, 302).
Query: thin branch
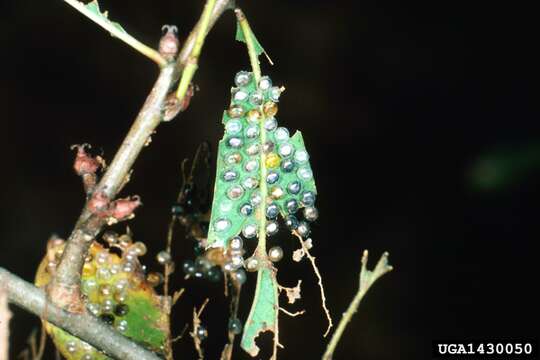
(117, 32)
(177, 295)
(42, 343)
(192, 62)
(5, 315)
(167, 273)
(186, 326)
(184, 55)
(84, 326)
(186, 61)
(320, 283)
(293, 314)
(34, 350)
(367, 278)
(168, 266)
(65, 288)
(196, 324)
(227, 352)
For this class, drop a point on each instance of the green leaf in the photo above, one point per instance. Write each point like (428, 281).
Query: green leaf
(94, 8)
(240, 36)
(225, 208)
(251, 125)
(264, 311)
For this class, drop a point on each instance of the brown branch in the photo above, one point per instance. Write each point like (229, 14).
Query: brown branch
(83, 326)
(196, 324)
(64, 290)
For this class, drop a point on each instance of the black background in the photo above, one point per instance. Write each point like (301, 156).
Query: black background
(396, 100)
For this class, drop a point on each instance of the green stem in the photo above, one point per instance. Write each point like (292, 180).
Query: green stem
(260, 251)
(106, 24)
(192, 62)
(367, 278)
(248, 35)
(261, 246)
(256, 69)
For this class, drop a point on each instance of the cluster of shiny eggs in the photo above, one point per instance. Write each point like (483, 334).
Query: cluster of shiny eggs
(288, 175)
(111, 280)
(236, 255)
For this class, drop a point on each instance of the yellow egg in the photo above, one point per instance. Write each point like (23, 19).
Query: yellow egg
(270, 109)
(235, 111)
(272, 160)
(253, 116)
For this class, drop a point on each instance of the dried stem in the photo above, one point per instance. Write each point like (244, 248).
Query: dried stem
(367, 278)
(35, 349)
(292, 314)
(5, 315)
(64, 290)
(42, 343)
(84, 326)
(118, 33)
(168, 249)
(320, 283)
(167, 273)
(227, 352)
(196, 323)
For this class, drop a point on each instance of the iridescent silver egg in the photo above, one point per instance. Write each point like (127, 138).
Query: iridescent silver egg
(242, 78)
(265, 83)
(272, 211)
(249, 231)
(272, 228)
(303, 229)
(275, 254)
(230, 175)
(282, 134)
(272, 177)
(222, 224)
(311, 213)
